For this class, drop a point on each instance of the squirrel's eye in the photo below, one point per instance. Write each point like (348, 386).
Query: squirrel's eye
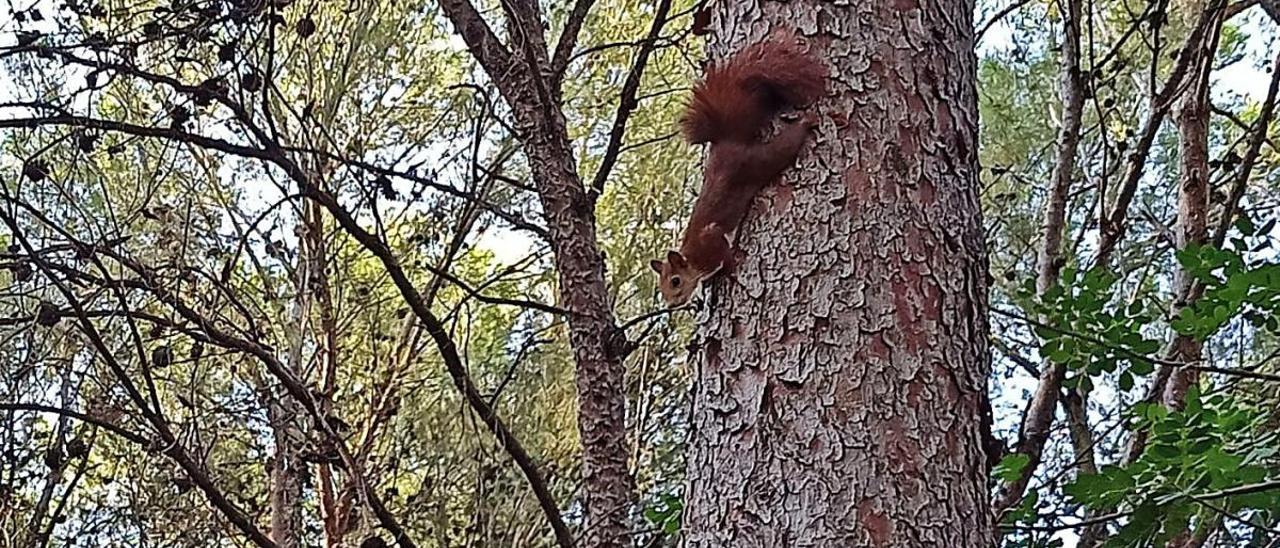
(675, 281)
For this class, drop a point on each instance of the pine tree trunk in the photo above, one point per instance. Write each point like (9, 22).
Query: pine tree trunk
(841, 372)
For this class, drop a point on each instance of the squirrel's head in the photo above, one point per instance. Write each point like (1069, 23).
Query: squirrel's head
(677, 279)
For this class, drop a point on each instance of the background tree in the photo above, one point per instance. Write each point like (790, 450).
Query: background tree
(1101, 320)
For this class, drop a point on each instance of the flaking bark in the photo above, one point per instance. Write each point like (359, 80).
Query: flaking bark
(841, 371)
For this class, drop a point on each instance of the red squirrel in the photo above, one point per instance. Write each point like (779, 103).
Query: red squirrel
(731, 107)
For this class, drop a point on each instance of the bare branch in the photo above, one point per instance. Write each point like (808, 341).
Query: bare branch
(171, 446)
(1250, 159)
(1114, 225)
(131, 436)
(998, 17)
(627, 102)
(568, 40)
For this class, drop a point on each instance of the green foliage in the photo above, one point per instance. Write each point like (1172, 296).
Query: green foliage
(1010, 467)
(1234, 286)
(1086, 331)
(1025, 511)
(665, 514)
(1192, 456)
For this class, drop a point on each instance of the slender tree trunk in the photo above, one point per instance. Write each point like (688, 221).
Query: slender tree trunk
(841, 373)
(1075, 404)
(1169, 385)
(56, 460)
(529, 82)
(598, 345)
(285, 414)
(1192, 119)
(1038, 421)
(334, 513)
(286, 470)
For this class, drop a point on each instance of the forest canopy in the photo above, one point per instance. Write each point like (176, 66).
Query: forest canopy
(363, 273)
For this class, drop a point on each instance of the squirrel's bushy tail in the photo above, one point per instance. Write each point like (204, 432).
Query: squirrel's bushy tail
(737, 96)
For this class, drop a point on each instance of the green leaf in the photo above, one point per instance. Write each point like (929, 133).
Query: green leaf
(1152, 411)
(1194, 404)
(1186, 322)
(1141, 367)
(653, 515)
(1218, 459)
(1189, 257)
(1245, 225)
(1010, 467)
(1164, 450)
(1146, 347)
(1174, 520)
(1068, 276)
(671, 527)
(1141, 525)
(1105, 489)
(1251, 474)
(1126, 381)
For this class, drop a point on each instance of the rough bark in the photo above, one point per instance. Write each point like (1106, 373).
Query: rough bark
(841, 372)
(1272, 7)
(334, 509)
(598, 345)
(1038, 420)
(1157, 391)
(1049, 260)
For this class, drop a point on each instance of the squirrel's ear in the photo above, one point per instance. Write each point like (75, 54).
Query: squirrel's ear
(676, 259)
(656, 265)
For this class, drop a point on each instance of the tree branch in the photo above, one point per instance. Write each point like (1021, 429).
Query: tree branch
(568, 40)
(1113, 225)
(1250, 159)
(627, 102)
(131, 436)
(172, 447)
